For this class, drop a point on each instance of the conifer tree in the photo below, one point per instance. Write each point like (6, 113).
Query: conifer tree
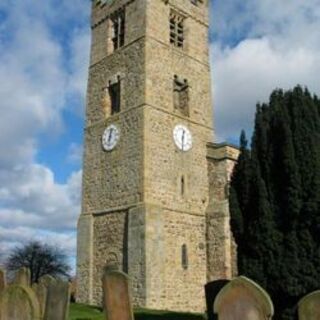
(275, 199)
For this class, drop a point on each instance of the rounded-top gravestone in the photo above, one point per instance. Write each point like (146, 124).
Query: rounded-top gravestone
(41, 290)
(309, 306)
(117, 300)
(23, 277)
(19, 303)
(243, 299)
(2, 280)
(57, 301)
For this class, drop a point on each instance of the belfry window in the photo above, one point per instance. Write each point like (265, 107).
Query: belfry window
(176, 29)
(181, 95)
(184, 257)
(115, 96)
(118, 26)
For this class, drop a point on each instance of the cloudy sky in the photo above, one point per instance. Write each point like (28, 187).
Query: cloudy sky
(256, 46)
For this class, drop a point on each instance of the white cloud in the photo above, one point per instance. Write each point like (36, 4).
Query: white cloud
(79, 64)
(43, 56)
(34, 206)
(33, 198)
(275, 50)
(75, 153)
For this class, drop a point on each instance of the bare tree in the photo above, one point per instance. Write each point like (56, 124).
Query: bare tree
(42, 259)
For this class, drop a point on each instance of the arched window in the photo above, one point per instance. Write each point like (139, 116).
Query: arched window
(184, 257)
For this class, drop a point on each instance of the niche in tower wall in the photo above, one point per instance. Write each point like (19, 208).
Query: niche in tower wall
(181, 95)
(114, 90)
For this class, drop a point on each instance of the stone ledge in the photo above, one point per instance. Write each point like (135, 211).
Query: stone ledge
(222, 151)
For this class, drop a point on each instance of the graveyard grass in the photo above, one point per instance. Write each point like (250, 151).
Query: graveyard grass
(84, 312)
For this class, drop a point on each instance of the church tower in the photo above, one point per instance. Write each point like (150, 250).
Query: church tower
(145, 173)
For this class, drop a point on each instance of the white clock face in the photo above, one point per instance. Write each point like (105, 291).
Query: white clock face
(182, 137)
(110, 137)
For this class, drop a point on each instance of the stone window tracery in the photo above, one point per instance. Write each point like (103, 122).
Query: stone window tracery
(176, 29)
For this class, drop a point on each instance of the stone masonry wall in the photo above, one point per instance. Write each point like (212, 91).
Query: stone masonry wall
(141, 218)
(221, 249)
(183, 288)
(114, 179)
(110, 247)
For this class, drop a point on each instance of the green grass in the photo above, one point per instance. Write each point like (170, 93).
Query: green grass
(84, 312)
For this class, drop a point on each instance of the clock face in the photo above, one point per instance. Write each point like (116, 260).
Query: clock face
(110, 137)
(182, 137)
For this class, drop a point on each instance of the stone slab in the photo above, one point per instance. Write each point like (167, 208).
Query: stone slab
(19, 303)
(309, 307)
(243, 299)
(117, 300)
(57, 302)
(41, 290)
(23, 277)
(2, 280)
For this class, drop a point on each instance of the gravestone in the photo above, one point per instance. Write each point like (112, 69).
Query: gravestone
(117, 300)
(211, 290)
(41, 290)
(243, 299)
(2, 280)
(309, 306)
(23, 277)
(57, 302)
(19, 303)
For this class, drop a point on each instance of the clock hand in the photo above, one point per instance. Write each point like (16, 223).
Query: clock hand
(110, 135)
(183, 134)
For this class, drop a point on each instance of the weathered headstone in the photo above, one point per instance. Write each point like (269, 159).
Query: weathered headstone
(117, 301)
(19, 303)
(23, 277)
(41, 290)
(243, 299)
(57, 302)
(309, 306)
(2, 280)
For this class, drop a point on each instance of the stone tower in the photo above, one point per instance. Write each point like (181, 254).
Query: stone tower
(148, 203)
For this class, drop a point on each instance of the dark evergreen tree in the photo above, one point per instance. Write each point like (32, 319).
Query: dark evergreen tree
(275, 199)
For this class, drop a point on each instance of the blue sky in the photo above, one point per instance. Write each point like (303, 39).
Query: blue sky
(256, 46)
